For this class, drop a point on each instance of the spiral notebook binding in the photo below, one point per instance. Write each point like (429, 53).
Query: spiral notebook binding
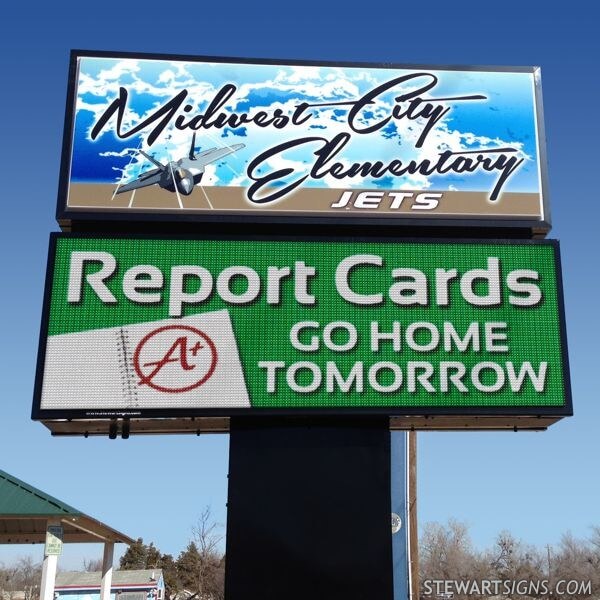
(128, 379)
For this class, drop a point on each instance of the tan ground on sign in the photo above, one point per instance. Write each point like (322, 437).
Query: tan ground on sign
(206, 199)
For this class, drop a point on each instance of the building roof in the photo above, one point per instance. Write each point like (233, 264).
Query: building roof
(20, 498)
(79, 579)
(26, 510)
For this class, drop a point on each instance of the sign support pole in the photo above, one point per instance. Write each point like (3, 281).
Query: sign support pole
(309, 509)
(400, 521)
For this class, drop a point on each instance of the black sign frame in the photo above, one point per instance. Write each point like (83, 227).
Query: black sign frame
(89, 219)
(470, 416)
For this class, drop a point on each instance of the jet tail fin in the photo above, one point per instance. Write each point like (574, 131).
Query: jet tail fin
(192, 155)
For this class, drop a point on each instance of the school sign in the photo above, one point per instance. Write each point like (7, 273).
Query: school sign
(163, 327)
(171, 139)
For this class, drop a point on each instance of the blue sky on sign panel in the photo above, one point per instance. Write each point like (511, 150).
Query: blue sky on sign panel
(471, 124)
(538, 485)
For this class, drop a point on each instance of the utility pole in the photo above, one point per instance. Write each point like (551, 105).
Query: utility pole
(413, 534)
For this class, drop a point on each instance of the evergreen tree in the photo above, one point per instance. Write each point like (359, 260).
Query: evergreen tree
(169, 569)
(135, 557)
(189, 566)
(199, 569)
(153, 557)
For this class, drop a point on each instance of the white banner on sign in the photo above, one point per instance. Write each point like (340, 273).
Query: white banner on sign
(180, 363)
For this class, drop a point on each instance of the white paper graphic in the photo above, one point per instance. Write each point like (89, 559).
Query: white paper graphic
(172, 363)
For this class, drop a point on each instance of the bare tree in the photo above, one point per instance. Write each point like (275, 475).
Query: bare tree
(24, 576)
(92, 565)
(201, 566)
(211, 575)
(595, 539)
(577, 560)
(515, 561)
(446, 553)
(206, 533)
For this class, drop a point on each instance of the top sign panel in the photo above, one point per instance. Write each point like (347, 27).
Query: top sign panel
(183, 138)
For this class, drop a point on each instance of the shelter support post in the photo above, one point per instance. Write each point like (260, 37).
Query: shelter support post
(107, 571)
(49, 569)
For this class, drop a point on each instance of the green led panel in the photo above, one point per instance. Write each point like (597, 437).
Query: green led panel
(192, 327)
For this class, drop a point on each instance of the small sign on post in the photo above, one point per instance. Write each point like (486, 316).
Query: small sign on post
(54, 540)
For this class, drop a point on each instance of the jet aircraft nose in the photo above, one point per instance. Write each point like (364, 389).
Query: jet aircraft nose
(186, 185)
(185, 181)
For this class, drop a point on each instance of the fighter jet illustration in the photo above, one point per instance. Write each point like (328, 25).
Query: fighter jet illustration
(179, 175)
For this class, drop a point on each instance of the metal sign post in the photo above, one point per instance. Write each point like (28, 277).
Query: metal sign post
(309, 509)
(400, 523)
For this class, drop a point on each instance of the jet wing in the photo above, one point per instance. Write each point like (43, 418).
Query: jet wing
(209, 156)
(149, 178)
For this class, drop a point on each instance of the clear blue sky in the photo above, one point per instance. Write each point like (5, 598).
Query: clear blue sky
(538, 485)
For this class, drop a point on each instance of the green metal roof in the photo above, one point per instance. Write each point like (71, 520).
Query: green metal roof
(26, 511)
(21, 499)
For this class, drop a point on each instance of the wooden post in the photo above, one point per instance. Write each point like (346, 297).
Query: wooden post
(107, 569)
(49, 570)
(413, 534)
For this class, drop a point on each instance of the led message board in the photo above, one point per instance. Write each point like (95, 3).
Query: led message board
(187, 138)
(161, 327)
